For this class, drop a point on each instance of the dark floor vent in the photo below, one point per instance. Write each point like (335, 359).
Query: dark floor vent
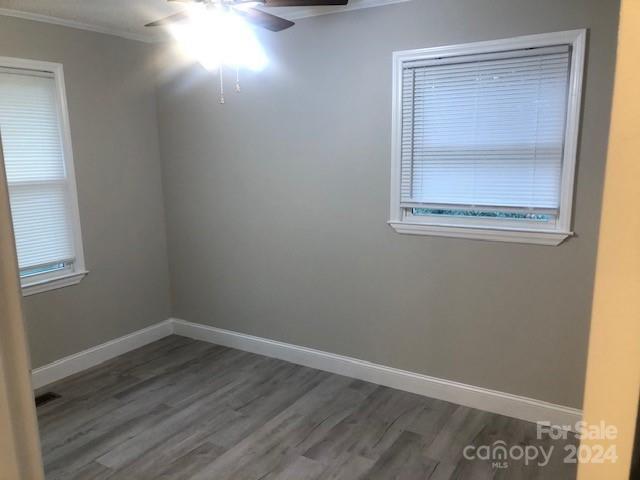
(46, 398)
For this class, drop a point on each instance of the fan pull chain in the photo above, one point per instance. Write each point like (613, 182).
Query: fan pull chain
(221, 86)
(238, 79)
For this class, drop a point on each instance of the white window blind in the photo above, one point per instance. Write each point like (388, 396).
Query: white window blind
(485, 130)
(36, 174)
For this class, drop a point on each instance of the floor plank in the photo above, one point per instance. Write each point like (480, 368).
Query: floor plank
(181, 409)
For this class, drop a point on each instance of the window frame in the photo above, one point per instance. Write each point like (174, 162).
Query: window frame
(492, 229)
(73, 274)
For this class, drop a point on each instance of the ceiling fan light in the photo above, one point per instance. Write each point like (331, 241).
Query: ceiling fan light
(216, 37)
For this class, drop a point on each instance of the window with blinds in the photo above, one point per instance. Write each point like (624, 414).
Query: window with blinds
(481, 137)
(41, 187)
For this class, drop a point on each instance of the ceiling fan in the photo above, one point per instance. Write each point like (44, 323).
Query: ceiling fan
(245, 8)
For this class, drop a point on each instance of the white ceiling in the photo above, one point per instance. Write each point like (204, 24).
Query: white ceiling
(126, 18)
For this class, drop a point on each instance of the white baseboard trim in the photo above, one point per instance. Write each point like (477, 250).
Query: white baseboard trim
(80, 361)
(468, 395)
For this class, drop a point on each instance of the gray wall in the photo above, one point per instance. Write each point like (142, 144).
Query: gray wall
(110, 90)
(277, 202)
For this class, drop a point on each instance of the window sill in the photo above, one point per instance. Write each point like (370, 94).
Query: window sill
(40, 286)
(535, 237)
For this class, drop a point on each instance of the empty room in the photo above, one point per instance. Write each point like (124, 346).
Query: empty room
(319, 239)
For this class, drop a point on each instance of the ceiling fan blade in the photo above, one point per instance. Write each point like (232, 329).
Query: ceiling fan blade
(176, 17)
(303, 3)
(264, 19)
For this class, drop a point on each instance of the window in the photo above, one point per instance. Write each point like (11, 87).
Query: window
(484, 138)
(36, 144)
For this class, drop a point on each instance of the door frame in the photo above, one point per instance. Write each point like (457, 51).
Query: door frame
(20, 454)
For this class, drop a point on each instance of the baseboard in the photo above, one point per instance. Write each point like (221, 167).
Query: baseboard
(468, 395)
(95, 355)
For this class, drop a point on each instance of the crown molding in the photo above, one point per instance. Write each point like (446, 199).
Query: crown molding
(7, 12)
(291, 13)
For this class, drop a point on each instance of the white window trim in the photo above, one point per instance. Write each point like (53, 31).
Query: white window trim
(441, 226)
(65, 277)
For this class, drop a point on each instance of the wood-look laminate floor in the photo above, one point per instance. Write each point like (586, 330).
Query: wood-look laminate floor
(182, 409)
